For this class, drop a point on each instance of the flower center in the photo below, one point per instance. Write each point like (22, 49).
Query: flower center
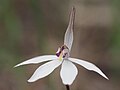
(63, 52)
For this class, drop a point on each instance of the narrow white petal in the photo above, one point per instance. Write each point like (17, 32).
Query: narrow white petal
(68, 39)
(68, 72)
(44, 70)
(38, 59)
(88, 66)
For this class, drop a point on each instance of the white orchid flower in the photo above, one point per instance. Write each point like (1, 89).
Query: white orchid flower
(68, 70)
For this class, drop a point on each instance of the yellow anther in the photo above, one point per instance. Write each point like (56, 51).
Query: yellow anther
(60, 57)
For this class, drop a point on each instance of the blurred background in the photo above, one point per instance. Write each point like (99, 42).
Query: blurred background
(30, 28)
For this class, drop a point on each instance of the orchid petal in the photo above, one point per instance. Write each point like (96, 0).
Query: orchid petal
(44, 70)
(38, 59)
(88, 66)
(68, 39)
(68, 72)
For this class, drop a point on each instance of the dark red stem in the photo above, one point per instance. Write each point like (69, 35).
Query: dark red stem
(67, 87)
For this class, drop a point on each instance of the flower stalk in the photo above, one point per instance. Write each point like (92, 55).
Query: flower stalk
(67, 87)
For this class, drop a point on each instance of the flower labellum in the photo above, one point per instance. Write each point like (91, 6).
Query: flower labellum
(68, 70)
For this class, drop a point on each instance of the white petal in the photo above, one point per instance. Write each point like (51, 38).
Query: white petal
(38, 59)
(44, 70)
(68, 72)
(88, 66)
(68, 39)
